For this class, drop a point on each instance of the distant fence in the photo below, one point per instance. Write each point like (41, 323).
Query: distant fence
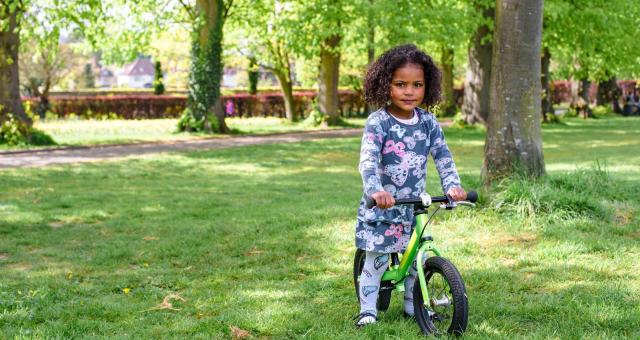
(145, 105)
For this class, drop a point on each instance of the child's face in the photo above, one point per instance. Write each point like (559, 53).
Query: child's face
(407, 88)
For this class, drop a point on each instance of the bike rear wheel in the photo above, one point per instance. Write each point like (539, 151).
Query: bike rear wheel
(384, 294)
(448, 308)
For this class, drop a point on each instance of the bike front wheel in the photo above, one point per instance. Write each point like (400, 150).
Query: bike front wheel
(448, 308)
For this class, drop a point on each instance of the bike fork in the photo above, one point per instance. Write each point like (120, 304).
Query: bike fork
(422, 251)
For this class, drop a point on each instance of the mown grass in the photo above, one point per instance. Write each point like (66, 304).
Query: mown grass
(261, 238)
(78, 132)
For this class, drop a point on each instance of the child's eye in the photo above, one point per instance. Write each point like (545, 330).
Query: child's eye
(418, 84)
(400, 84)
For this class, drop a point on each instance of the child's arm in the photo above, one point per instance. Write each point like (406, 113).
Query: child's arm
(370, 156)
(444, 162)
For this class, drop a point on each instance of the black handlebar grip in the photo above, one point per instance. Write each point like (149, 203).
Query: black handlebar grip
(370, 203)
(472, 196)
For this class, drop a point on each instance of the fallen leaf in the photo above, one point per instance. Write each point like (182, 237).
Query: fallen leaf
(166, 303)
(254, 251)
(238, 333)
(150, 238)
(56, 225)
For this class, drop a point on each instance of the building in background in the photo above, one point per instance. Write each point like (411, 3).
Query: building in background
(138, 74)
(105, 78)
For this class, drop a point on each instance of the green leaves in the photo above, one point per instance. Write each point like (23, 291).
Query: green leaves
(591, 39)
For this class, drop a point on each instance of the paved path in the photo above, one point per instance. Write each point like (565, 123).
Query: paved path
(38, 158)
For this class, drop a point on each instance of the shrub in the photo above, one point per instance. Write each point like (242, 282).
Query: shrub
(552, 118)
(40, 138)
(188, 123)
(602, 111)
(13, 132)
(158, 85)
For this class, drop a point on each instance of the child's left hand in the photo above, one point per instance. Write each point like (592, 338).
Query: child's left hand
(457, 194)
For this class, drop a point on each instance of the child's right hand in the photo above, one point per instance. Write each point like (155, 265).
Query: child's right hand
(383, 199)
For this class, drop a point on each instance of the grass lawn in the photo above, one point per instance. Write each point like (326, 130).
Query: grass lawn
(71, 132)
(261, 238)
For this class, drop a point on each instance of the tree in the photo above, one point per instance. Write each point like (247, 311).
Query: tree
(204, 109)
(43, 68)
(447, 25)
(513, 143)
(380, 22)
(589, 42)
(325, 33)
(24, 18)
(547, 100)
(10, 103)
(122, 41)
(158, 85)
(475, 107)
(88, 77)
(269, 40)
(253, 75)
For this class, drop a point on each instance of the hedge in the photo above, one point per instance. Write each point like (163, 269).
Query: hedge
(146, 106)
(134, 105)
(561, 90)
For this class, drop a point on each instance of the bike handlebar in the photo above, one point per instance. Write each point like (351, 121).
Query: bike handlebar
(472, 197)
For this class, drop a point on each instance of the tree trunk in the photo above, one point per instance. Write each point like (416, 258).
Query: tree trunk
(286, 85)
(446, 63)
(475, 106)
(253, 75)
(44, 104)
(609, 92)
(10, 101)
(585, 85)
(547, 101)
(513, 143)
(329, 75)
(371, 49)
(205, 74)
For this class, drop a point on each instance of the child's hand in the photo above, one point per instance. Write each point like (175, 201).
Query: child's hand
(383, 199)
(457, 194)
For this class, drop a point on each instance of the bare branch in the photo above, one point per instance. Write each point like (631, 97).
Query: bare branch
(265, 66)
(190, 11)
(227, 7)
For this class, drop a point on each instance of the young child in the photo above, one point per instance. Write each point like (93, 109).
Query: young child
(396, 141)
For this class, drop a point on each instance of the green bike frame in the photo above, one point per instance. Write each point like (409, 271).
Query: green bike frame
(416, 250)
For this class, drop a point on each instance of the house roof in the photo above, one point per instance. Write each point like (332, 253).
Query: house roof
(105, 72)
(139, 67)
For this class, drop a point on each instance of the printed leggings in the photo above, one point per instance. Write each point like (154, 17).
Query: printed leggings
(375, 264)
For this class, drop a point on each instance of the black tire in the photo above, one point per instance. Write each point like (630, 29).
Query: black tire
(442, 316)
(384, 295)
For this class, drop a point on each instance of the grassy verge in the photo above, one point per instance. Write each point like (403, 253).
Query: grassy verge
(261, 238)
(99, 132)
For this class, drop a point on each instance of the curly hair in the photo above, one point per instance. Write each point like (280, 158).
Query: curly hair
(377, 82)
